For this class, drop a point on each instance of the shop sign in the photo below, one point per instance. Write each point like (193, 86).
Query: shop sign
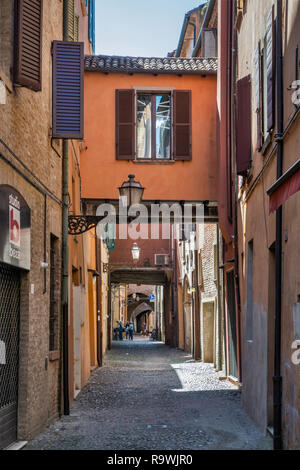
(14, 228)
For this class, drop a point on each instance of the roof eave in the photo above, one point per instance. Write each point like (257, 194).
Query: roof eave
(154, 72)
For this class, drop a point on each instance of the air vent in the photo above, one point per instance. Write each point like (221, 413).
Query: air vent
(161, 260)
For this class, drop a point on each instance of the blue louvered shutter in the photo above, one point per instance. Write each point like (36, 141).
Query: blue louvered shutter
(92, 23)
(68, 75)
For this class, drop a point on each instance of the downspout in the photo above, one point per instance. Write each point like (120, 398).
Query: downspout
(197, 309)
(174, 256)
(219, 362)
(173, 287)
(65, 252)
(182, 34)
(277, 379)
(109, 327)
(194, 32)
(236, 186)
(99, 301)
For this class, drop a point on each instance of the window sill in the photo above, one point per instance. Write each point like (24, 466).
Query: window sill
(53, 356)
(155, 162)
(266, 144)
(6, 81)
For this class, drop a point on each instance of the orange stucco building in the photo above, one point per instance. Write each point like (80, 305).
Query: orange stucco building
(192, 176)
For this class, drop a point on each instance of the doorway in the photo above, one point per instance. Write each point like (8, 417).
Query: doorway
(232, 326)
(9, 353)
(208, 331)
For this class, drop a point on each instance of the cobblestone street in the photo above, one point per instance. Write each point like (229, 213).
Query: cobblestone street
(148, 397)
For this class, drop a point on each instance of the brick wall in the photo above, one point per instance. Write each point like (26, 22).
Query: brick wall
(35, 171)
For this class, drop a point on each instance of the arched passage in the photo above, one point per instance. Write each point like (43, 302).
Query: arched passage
(140, 317)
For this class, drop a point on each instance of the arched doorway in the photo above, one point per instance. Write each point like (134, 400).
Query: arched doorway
(187, 317)
(140, 317)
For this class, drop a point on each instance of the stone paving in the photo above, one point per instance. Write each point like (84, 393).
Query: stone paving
(151, 397)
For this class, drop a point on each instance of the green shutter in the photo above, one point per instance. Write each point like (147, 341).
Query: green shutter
(76, 28)
(69, 19)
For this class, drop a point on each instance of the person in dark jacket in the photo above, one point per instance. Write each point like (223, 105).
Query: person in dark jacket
(121, 329)
(127, 330)
(131, 327)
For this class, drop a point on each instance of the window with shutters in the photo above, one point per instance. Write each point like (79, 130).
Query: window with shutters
(28, 44)
(243, 126)
(153, 126)
(264, 71)
(72, 21)
(67, 90)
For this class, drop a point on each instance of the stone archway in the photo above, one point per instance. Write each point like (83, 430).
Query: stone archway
(187, 317)
(140, 316)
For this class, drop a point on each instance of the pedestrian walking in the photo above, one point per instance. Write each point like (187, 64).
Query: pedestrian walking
(115, 337)
(121, 329)
(131, 326)
(127, 330)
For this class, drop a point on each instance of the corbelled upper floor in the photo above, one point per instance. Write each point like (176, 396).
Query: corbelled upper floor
(154, 117)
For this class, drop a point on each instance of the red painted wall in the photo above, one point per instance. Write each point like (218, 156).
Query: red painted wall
(122, 253)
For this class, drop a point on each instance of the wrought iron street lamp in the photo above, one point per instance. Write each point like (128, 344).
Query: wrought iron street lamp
(135, 252)
(132, 190)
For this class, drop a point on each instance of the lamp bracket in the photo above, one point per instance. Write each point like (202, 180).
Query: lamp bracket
(79, 224)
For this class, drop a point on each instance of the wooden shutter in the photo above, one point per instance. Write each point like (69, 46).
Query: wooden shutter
(28, 44)
(182, 125)
(243, 134)
(270, 51)
(69, 19)
(68, 75)
(76, 28)
(258, 94)
(125, 125)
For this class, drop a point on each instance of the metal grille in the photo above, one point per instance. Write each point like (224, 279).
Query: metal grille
(9, 352)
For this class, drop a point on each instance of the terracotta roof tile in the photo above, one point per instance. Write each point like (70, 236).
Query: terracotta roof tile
(181, 65)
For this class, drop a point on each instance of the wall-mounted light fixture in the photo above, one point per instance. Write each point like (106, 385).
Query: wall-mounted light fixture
(132, 190)
(135, 251)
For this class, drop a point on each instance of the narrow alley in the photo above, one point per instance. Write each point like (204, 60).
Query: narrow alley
(149, 225)
(148, 397)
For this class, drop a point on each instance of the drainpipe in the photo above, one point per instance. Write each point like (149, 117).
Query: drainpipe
(235, 186)
(277, 379)
(219, 362)
(194, 32)
(182, 34)
(65, 253)
(99, 301)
